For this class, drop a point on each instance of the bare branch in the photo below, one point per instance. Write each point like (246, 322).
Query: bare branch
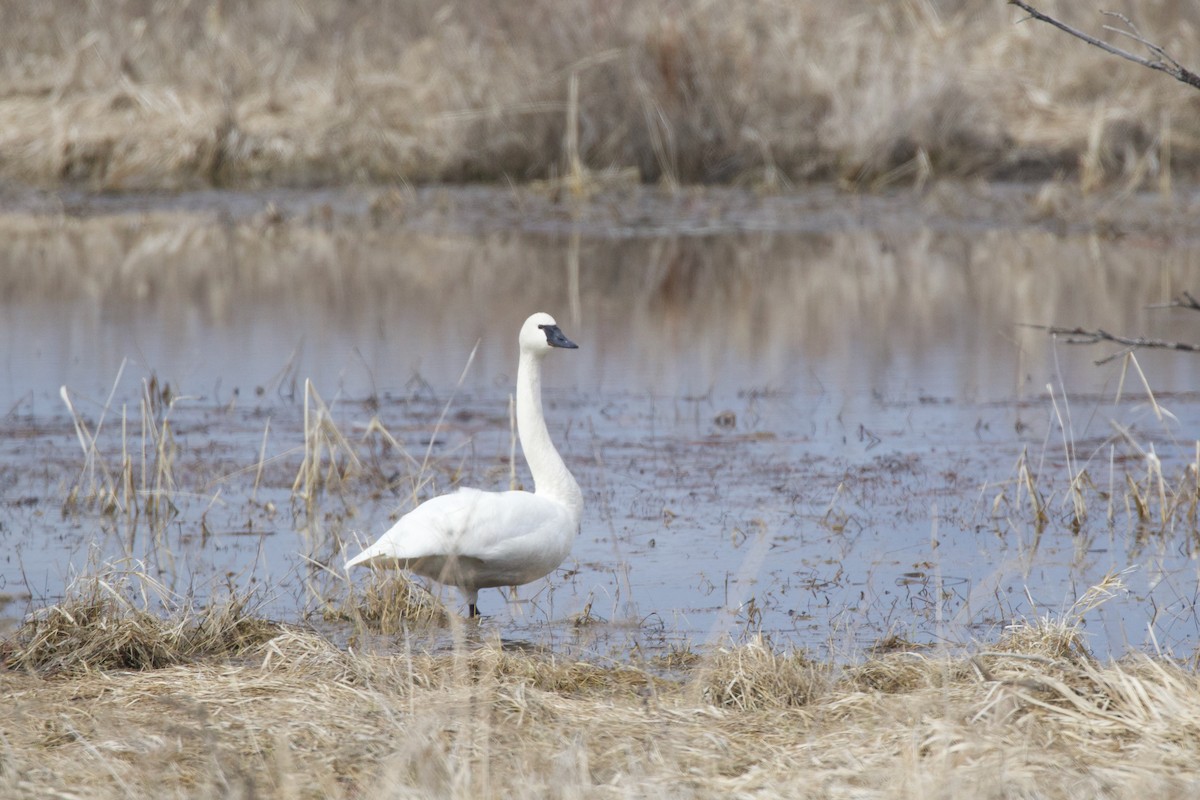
(1186, 300)
(1165, 63)
(1183, 300)
(1092, 336)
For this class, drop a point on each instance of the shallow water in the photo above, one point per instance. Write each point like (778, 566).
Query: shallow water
(806, 414)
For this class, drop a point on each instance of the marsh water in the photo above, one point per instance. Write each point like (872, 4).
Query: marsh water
(818, 415)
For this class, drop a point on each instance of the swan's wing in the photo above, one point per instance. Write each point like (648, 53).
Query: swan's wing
(517, 533)
(508, 528)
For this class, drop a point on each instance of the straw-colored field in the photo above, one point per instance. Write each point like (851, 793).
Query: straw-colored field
(302, 92)
(102, 700)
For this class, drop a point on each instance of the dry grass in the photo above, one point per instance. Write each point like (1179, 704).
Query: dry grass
(140, 95)
(387, 601)
(141, 487)
(253, 710)
(1149, 501)
(104, 624)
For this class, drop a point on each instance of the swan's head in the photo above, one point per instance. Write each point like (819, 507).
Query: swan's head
(540, 334)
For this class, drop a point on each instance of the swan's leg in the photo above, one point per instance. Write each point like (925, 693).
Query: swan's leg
(472, 597)
(514, 603)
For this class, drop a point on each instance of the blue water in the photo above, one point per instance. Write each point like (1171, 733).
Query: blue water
(815, 433)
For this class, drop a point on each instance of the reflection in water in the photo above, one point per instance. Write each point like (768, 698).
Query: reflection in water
(367, 307)
(803, 403)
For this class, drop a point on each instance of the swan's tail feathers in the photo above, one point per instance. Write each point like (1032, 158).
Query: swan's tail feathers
(367, 556)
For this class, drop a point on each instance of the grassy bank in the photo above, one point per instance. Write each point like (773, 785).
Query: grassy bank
(105, 699)
(137, 95)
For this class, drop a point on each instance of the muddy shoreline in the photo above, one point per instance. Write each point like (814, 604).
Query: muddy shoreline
(1056, 207)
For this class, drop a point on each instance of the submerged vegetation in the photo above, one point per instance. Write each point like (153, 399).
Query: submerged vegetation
(1082, 480)
(212, 93)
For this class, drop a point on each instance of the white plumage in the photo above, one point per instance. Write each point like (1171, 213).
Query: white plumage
(476, 540)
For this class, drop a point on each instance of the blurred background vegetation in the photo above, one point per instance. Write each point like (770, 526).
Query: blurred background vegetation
(150, 94)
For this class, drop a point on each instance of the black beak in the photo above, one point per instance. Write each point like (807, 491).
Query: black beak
(555, 338)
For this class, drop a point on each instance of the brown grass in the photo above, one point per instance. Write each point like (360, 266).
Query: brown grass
(139, 95)
(280, 713)
(387, 601)
(104, 624)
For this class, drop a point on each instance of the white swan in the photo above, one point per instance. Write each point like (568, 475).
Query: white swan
(474, 539)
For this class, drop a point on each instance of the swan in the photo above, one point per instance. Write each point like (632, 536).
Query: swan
(474, 539)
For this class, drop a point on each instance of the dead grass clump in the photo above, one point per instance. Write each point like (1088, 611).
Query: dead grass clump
(896, 673)
(1048, 638)
(1059, 638)
(1102, 706)
(677, 658)
(94, 631)
(755, 677)
(98, 627)
(388, 602)
(311, 657)
(548, 672)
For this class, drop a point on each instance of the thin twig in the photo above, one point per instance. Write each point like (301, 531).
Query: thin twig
(1132, 32)
(1182, 300)
(1167, 64)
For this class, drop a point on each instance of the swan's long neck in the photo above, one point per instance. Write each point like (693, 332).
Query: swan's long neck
(550, 475)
